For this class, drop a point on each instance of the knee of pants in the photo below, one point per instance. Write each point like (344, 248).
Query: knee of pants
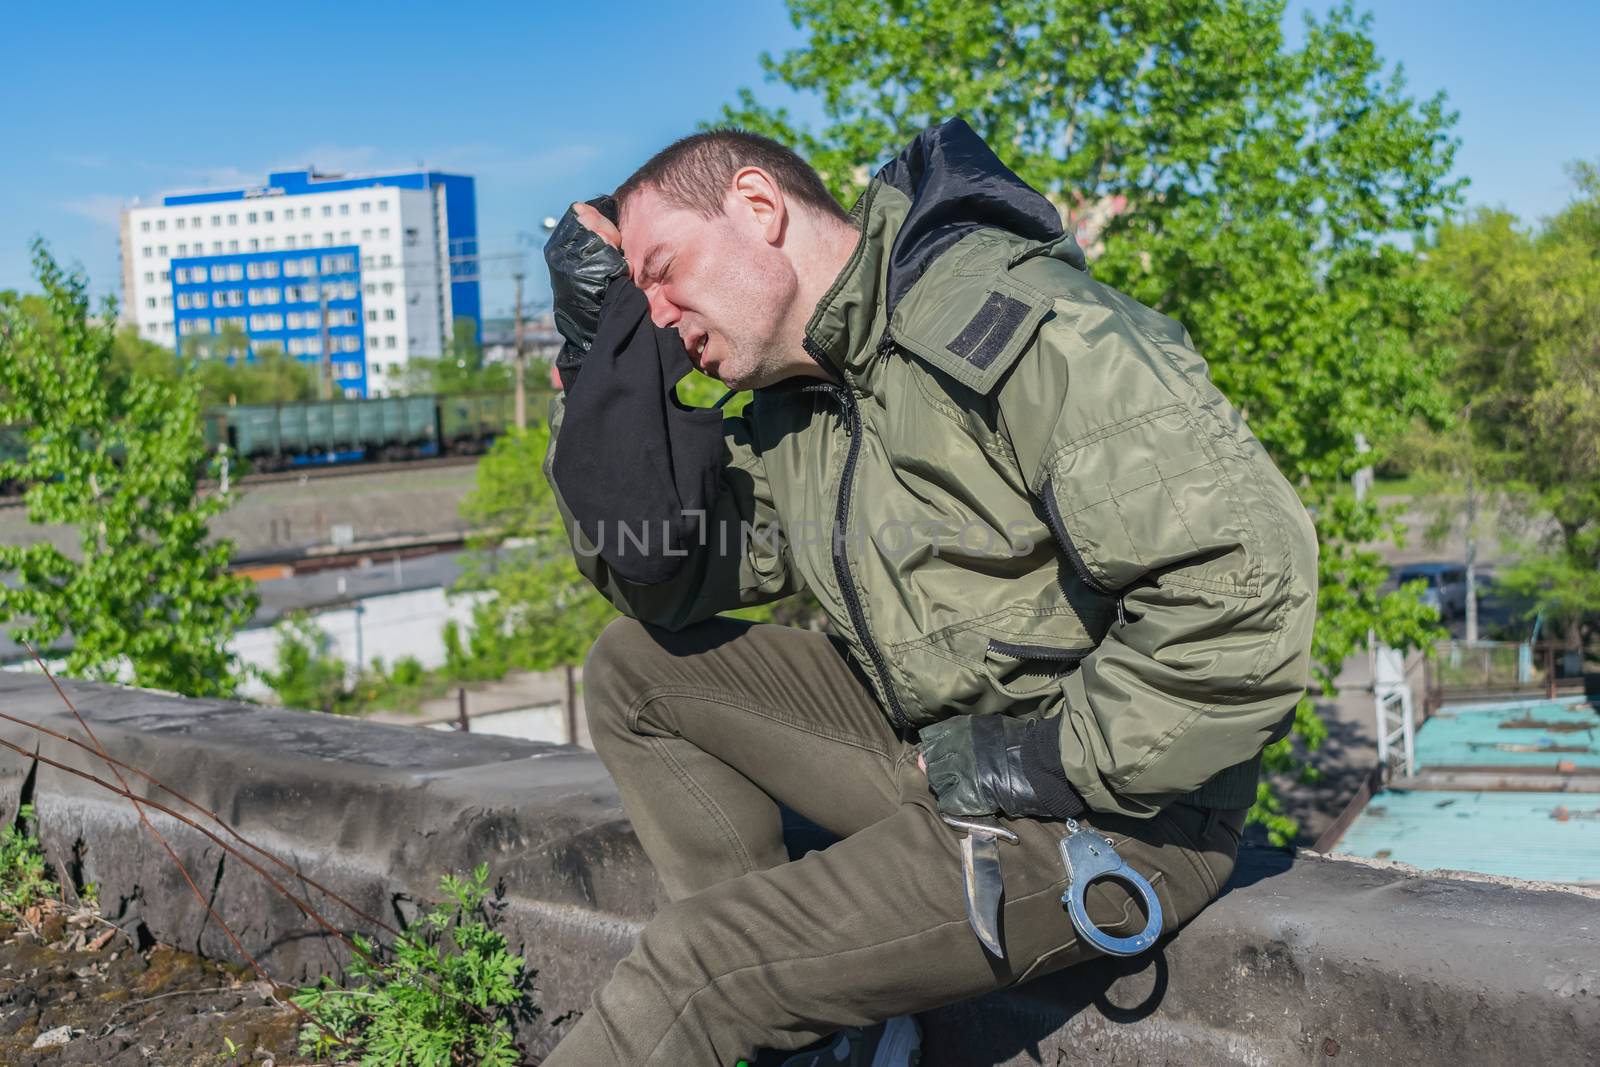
(682, 951)
(613, 678)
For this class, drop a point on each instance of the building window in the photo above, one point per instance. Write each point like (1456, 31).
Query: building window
(271, 241)
(344, 209)
(197, 273)
(267, 215)
(366, 207)
(269, 269)
(383, 205)
(144, 227)
(183, 249)
(369, 288)
(327, 238)
(388, 314)
(327, 211)
(388, 342)
(252, 271)
(199, 300)
(195, 222)
(387, 261)
(165, 275)
(177, 223)
(305, 239)
(366, 235)
(288, 242)
(372, 315)
(149, 276)
(147, 251)
(216, 220)
(216, 248)
(183, 278)
(149, 301)
(388, 288)
(383, 234)
(233, 246)
(161, 225)
(251, 218)
(233, 220)
(255, 245)
(344, 237)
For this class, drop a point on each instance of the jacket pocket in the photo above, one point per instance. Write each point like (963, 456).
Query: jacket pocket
(1027, 669)
(1010, 662)
(1153, 494)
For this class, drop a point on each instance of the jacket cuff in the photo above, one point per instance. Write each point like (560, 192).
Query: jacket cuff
(1041, 766)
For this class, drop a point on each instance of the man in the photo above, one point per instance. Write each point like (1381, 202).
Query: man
(1060, 572)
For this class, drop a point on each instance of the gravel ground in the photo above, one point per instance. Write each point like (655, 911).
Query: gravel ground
(107, 1002)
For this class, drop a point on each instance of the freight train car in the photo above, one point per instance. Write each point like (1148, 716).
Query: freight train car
(272, 437)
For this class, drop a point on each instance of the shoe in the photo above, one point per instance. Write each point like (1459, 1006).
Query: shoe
(896, 1043)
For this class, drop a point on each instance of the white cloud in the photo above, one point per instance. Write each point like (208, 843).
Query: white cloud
(104, 208)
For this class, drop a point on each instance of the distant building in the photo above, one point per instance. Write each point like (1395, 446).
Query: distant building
(539, 339)
(381, 265)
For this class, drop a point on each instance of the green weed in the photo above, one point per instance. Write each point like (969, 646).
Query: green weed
(445, 994)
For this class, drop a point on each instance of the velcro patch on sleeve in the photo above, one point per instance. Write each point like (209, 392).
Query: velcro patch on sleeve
(990, 330)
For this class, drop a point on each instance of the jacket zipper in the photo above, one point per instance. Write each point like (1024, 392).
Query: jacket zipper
(1059, 529)
(851, 414)
(1023, 651)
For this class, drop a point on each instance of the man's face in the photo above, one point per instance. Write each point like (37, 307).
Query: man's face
(719, 282)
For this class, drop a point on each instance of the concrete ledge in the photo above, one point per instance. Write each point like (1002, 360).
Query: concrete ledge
(1304, 960)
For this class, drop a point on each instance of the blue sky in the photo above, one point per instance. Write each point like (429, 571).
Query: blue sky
(544, 103)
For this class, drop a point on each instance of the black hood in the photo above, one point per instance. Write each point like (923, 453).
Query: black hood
(956, 184)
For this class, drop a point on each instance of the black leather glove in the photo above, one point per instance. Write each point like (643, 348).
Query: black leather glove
(995, 764)
(581, 265)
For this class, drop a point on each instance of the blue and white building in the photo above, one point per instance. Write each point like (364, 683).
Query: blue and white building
(381, 265)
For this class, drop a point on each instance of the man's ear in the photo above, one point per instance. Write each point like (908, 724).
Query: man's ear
(757, 195)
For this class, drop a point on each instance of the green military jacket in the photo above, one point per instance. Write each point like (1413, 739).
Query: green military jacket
(1019, 493)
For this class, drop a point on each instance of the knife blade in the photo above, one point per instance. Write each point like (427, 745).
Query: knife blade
(980, 879)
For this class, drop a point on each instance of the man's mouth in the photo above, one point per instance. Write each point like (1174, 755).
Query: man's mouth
(697, 347)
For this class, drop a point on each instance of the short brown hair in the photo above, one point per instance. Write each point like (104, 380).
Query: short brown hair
(695, 172)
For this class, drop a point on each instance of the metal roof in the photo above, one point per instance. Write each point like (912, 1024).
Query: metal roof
(1522, 827)
(1530, 735)
(1550, 837)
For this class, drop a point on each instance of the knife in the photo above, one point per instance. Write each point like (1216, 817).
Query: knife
(980, 878)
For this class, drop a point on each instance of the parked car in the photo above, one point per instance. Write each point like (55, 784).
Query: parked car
(1445, 585)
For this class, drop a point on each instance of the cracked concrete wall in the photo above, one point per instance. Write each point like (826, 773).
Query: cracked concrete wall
(1304, 960)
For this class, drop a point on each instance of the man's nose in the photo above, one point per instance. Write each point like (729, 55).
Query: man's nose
(663, 312)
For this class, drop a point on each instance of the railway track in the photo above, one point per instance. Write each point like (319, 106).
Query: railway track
(350, 470)
(307, 474)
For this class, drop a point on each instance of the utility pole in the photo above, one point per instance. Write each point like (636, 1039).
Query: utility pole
(327, 357)
(520, 363)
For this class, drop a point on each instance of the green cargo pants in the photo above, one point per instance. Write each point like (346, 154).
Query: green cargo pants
(707, 731)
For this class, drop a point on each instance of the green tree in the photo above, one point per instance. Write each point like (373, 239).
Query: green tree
(444, 376)
(465, 351)
(541, 612)
(1250, 189)
(148, 595)
(308, 673)
(271, 377)
(228, 372)
(1524, 356)
(133, 356)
